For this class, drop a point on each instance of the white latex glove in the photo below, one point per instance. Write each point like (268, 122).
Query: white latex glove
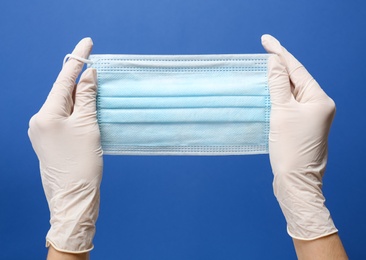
(65, 136)
(301, 116)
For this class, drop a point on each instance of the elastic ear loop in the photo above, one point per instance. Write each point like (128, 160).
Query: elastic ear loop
(72, 56)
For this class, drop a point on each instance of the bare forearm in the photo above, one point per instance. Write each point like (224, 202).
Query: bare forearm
(325, 248)
(53, 254)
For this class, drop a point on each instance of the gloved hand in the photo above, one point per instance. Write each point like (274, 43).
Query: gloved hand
(65, 136)
(301, 117)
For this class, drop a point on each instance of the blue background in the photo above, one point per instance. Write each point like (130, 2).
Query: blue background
(181, 207)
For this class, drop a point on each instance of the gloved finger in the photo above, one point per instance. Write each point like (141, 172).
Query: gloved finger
(60, 100)
(86, 91)
(305, 87)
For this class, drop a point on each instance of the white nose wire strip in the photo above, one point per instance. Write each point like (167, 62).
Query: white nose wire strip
(72, 56)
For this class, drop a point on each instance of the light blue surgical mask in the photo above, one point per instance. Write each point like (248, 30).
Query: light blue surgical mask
(183, 104)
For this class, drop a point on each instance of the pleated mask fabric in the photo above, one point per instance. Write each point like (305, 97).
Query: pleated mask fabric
(183, 104)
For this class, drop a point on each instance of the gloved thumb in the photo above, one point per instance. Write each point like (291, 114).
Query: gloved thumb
(85, 95)
(305, 87)
(278, 79)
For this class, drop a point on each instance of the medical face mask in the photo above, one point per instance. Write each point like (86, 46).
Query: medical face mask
(183, 104)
